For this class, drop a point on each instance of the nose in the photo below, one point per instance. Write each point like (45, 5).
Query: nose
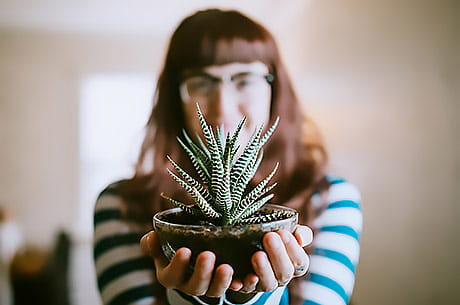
(223, 106)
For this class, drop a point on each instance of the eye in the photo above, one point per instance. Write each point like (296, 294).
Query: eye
(199, 83)
(246, 81)
(243, 83)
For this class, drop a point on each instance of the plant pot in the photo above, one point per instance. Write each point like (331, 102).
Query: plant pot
(233, 244)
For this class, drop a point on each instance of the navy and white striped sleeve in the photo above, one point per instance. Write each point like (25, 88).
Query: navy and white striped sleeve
(124, 274)
(335, 247)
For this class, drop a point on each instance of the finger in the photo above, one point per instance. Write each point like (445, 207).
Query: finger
(297, 255)
(236, 284)
(261, 264)
(279, 258)
(303, 235)
(250, 283)
(199, 282)
(174, 274)
(221, 281)
(150, 245)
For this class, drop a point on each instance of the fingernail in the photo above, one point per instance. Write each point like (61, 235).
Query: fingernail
(236, 285)
(249, 288)
(184, 252)
(302, 241)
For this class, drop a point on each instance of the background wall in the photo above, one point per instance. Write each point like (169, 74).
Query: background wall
(381, 79)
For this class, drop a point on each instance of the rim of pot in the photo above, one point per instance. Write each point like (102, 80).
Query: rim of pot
(156, 218)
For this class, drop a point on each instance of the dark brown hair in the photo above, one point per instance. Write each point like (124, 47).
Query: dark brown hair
(215, 37)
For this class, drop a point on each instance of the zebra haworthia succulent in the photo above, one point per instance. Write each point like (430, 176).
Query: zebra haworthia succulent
(220, 197)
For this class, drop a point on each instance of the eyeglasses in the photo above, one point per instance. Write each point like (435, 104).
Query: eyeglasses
(204, 85)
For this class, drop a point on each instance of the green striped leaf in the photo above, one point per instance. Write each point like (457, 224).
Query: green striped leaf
(219, 140)
(203, 146)
(278, 215)
(245, 177)
(217, 166)
(253, 208)
(245, 159)
(199, 153)
(234, 139)
(225, 196)
(197, 163)
(244, 205)
(258, 191)
(191, 181)
(259, 187)
(192, 210)
(205, 207)
(228, 149)
(269, 132)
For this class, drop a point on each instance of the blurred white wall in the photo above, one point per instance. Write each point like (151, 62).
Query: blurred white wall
(380, 78)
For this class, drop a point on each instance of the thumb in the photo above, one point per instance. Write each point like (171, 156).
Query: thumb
(150, 246)
(145, 243)
(304, 235)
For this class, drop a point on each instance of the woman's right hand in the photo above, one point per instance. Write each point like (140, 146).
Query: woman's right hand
(173, 274)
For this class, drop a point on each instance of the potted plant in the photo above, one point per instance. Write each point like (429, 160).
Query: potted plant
(225, 218)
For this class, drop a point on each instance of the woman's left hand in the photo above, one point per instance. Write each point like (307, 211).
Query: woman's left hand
(283, 259)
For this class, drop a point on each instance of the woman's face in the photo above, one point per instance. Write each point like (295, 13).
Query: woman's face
(225, 94)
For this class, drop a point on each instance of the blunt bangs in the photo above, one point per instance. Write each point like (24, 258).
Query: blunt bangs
(214, 40)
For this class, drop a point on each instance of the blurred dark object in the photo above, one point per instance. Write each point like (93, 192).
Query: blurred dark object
(41, 278)
(11, 240)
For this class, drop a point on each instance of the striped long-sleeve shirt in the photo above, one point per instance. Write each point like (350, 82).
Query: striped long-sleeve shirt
(125, 276)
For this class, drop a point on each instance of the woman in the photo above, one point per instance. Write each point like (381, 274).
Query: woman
(230, 66)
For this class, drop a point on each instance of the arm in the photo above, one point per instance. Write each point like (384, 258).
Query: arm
(124, 274)
(335, 247)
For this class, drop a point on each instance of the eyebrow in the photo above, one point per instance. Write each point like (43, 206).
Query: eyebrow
(213, 77)
(199, 73)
